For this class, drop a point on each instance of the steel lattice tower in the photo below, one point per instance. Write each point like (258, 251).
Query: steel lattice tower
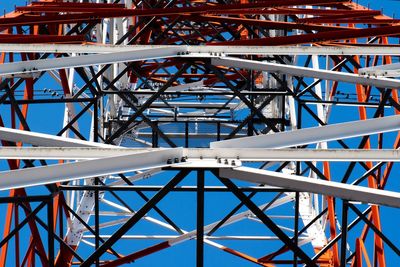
(196, 133)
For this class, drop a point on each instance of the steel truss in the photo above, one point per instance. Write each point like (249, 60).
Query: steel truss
(255, 132)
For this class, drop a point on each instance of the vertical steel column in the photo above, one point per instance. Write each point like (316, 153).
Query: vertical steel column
(296, 217)
(50, 230)
(154, 136)
(96, 219)
(186, 134)
(95, 121)
(296, 226)
(96, 182)
(345, 209)
(218, 131)
(200, 219)
(17, 244)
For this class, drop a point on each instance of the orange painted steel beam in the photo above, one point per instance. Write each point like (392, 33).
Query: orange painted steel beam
(78, 4)
(337, 17)
(317, 37)
(371, 181)
(190, 10)
(350, 20)
(27, 38)
(332, 218)
(264, 23)
(296, 11)
(48, 19)
(36, 241)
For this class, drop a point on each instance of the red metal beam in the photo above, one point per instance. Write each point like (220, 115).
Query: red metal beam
(48, 19)
(264, 23)
(297, 11)
(184, 10)
(78, 5)
(317, 37)
(27, 38)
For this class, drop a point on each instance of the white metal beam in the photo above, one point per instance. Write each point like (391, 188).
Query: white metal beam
(243, 154)
(182, 104)
(388, 70)
(305, 72)
(48, 140)
(300, 183)
(314, 134)
(155, 52)
(228, 50)
(32, 66)
(135, 53)
(265, 154)
(86, 169)
(67, 153)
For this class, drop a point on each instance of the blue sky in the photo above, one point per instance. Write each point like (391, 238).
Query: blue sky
(213, 255)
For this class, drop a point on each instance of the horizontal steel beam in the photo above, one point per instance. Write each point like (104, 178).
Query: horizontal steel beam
(170, 237)
(181, 104)
(64, 153)
(148, 53)
(87, 169)
(243, 154)
(156, 52)
(388, 70)
(304, 184)
(262, 154)
(314, 134)
(306, 72)
(228, 50)
(154, 188)
(48, 140)
(33, 66)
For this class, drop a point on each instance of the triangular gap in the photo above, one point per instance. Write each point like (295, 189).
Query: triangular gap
(266, 220)
(140, 213)
(30, 221)
(360, 251)
(144, 198)
(234, 210)
(229, 250)
(272, 203)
